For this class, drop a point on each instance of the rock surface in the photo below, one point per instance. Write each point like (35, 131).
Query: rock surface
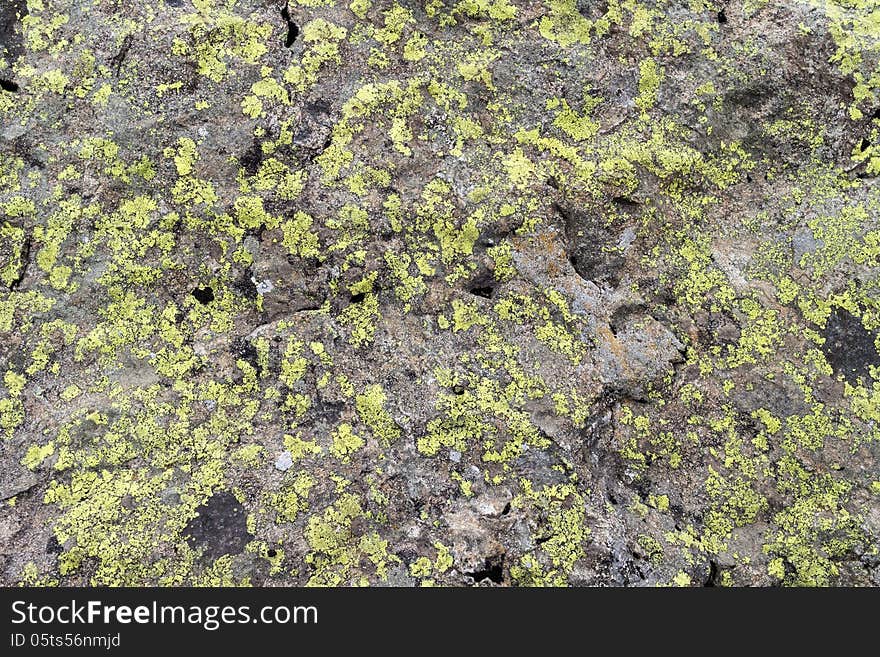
(455, 292)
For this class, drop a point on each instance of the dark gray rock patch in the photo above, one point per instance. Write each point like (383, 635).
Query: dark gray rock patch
(220, 527)
(849, 346)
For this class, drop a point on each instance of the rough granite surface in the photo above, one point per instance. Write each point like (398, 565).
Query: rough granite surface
(451, 292)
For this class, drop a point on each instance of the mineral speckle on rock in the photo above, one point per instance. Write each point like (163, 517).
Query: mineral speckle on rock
(464, 293)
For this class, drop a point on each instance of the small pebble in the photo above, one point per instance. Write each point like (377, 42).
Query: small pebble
(284, 462)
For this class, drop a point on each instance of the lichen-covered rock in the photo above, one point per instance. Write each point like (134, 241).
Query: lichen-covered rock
(460, 292)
